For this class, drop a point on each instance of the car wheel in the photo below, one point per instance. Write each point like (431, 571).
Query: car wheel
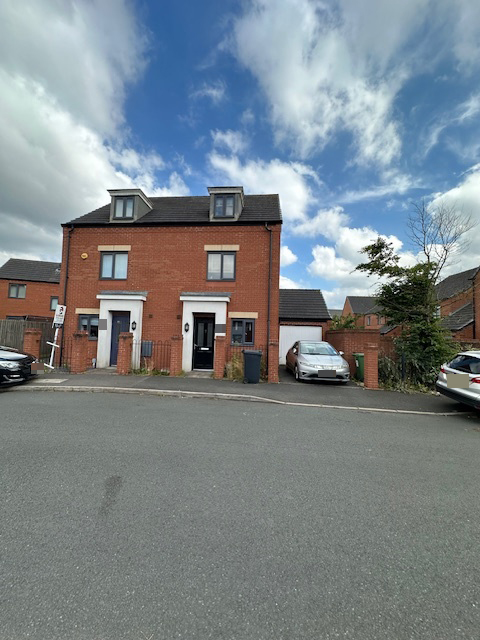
(296, 373)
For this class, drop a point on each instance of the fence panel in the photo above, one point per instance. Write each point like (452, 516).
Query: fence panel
(11, 334)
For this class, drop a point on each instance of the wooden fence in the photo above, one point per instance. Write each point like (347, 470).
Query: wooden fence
(11, 334)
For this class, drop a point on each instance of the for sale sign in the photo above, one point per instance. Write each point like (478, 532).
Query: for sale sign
(59, 315)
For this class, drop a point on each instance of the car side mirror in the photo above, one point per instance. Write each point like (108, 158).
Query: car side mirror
(341, 353)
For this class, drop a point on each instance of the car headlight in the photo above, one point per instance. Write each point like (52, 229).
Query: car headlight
(13, 366)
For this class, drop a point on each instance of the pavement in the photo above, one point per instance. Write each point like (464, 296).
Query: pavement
(318, 394)
(128, 517)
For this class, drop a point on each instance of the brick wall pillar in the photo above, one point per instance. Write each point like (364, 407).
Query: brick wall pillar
(78, 361)
(371, 366)
(124, 358)
(219, 361)
(272, 372)
(31, 342)
(176, 352)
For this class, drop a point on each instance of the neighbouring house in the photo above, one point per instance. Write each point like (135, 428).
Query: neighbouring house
(203, 268)
(303, 315)
(335, 312)
(458, 298)
(367, 313)
(29, 289)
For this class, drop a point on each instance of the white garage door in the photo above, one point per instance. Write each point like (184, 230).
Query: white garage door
(290, 334)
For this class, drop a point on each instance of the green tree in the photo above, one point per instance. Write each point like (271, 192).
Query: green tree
(408, 299)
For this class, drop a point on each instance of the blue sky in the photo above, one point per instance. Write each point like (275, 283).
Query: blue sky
(350, 111)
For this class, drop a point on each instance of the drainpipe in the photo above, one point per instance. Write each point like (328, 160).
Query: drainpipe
(267, 228)
(70, 231)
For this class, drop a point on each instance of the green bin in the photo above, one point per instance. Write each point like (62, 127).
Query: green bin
(359, 361)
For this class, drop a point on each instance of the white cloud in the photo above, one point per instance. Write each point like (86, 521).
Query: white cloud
(247, 118)
(289, 179)
(341, 65)
(61, 118)
(327, 75)
(287, 257)
(465, 198)
(215, 91)
(233, 141)
(287, 283)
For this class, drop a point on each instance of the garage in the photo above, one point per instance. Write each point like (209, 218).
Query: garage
(303, 315)
(291, 333)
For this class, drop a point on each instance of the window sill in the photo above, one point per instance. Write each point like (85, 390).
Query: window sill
(221, 279)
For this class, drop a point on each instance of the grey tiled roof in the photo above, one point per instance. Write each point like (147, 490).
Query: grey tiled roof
(302, 304)
(460, 318)
(455, 283)
(363, 304)
(32, 270)
(335, 312)
(191, 210)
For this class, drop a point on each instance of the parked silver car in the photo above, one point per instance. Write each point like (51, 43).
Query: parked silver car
(468, 364)
(317, 361)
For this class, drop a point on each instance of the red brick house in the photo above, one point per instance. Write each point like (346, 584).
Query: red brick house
(458, 298)
(366, 311)
(205, 268)
(29, 289)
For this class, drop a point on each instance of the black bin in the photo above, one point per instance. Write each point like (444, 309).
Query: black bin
(251, 366)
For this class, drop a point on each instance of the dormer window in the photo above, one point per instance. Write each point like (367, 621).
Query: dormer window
(128, 205)
(123, 207)
(224, 206)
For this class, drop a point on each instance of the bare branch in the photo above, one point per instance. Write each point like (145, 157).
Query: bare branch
(439, 231)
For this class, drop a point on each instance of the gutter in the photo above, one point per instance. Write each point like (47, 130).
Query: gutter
(267, 228)
(67, 260)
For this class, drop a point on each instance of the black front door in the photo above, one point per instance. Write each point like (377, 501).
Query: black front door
(203, 342)
(120, 323)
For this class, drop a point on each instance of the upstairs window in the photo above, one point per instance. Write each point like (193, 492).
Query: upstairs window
(17, 290)
(369, 321)
(113, 266)
(243, 331)
(224, 206)
(123, 208)
(53, 303)
(221, 266)
(89, 323)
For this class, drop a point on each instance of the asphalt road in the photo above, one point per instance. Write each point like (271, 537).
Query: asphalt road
(130, 517)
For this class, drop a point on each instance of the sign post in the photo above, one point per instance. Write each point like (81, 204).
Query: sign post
(57, 323)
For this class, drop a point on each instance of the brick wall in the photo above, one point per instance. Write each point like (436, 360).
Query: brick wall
(168, 260)
(455, 302)
(463, 334)
(36, 301)
(352, 341)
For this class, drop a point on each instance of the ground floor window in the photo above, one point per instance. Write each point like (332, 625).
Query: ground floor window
(89, 323)
(243, 331)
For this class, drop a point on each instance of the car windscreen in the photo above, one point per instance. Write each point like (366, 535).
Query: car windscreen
(469, 364)
(317, 349)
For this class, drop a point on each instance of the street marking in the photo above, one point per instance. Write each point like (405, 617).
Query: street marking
(51, 380)
(234, 396)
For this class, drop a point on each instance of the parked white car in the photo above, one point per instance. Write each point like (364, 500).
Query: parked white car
(466, 363)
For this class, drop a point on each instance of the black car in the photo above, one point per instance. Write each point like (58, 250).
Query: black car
(15, 366)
